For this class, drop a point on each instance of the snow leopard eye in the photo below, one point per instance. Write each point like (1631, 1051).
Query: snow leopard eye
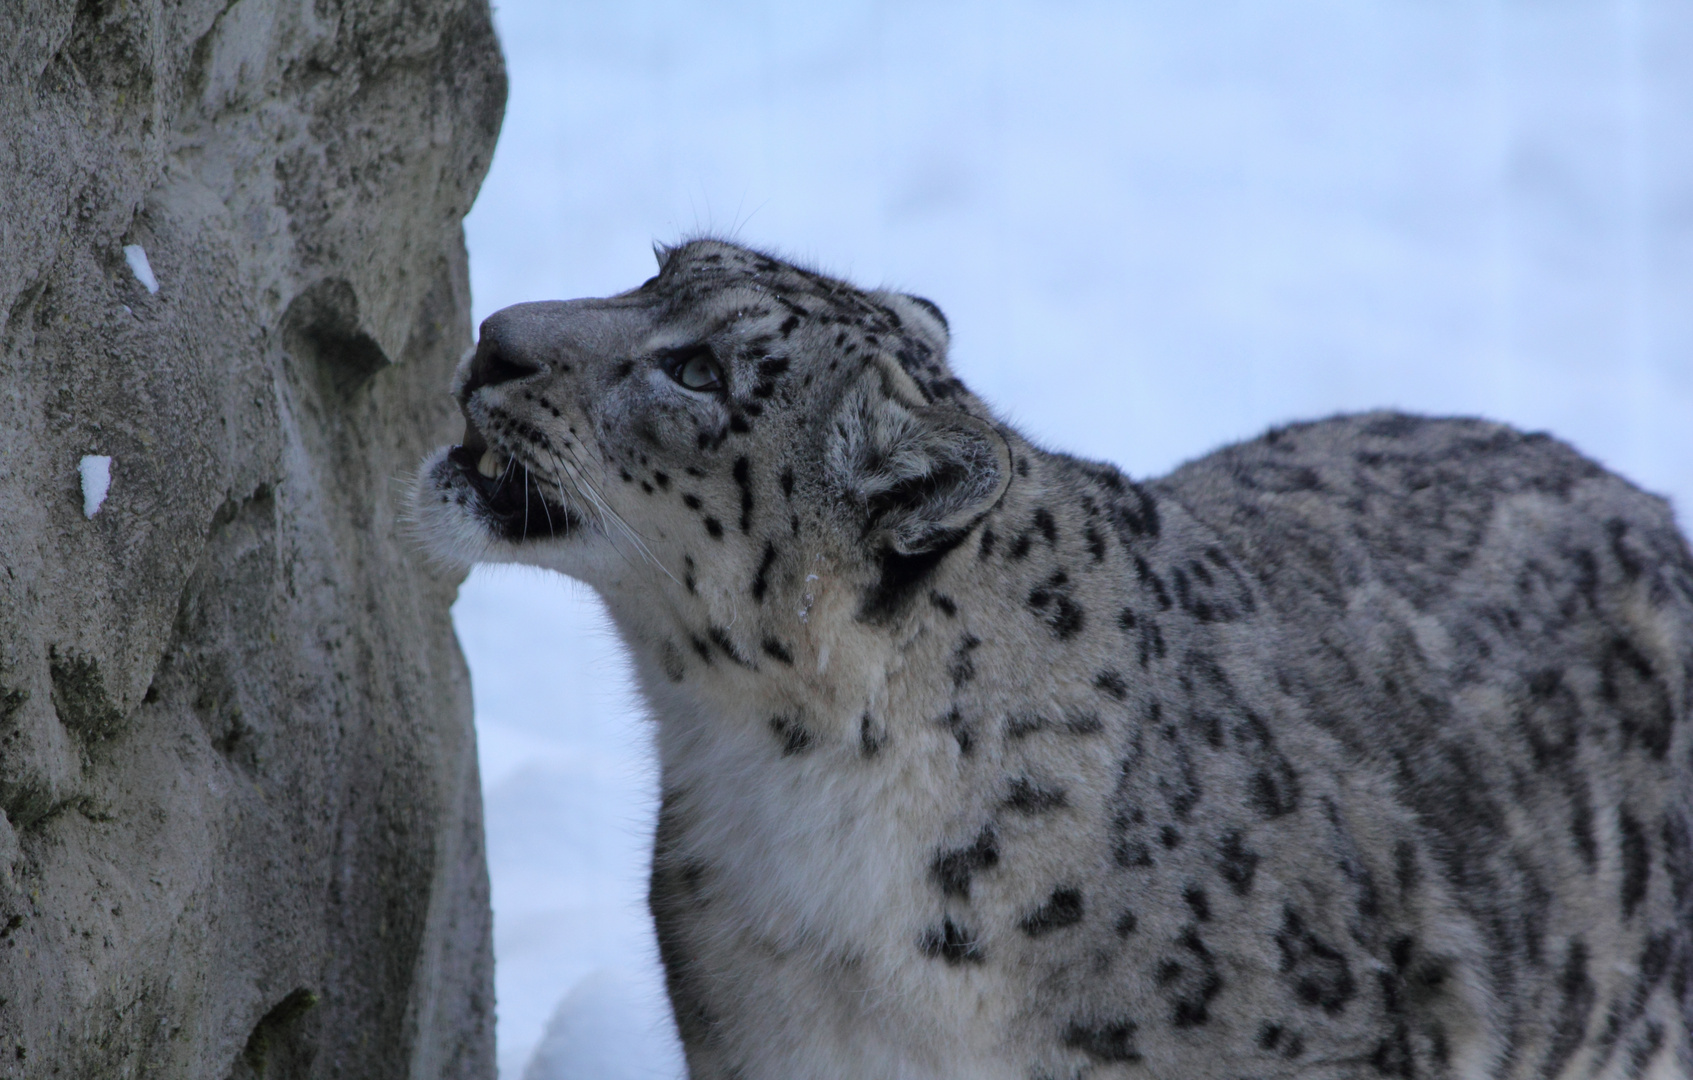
(695, 367)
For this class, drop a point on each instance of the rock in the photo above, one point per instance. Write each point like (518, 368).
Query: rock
(240, 824)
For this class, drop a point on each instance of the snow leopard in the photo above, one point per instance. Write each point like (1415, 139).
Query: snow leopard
(1360, 749)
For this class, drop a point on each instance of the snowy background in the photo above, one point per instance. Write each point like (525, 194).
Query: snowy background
(1155, 228)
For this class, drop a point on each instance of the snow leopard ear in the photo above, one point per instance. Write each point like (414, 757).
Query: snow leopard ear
(919, 316)
(915, 475)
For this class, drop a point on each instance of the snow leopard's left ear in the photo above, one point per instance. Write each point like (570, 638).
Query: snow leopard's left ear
(915, 475)
(919, 317)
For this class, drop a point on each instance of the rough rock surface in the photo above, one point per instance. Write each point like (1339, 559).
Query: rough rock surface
(241, 830)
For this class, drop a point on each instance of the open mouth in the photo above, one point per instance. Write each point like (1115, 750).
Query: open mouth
(517, 503)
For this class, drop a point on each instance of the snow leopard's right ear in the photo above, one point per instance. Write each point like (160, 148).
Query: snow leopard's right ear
(916, 476)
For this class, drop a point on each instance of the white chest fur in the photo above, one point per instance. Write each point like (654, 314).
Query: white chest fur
(813, 873)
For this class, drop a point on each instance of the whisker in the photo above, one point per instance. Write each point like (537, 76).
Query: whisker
(580, 481)
(550, 530)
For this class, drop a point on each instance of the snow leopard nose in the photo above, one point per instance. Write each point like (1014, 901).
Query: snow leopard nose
(559, 337)
(497, 361)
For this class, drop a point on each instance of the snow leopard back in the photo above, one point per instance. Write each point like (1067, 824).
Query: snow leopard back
(1502, 632)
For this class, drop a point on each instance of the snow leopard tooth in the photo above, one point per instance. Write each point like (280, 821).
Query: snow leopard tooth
(488, 464)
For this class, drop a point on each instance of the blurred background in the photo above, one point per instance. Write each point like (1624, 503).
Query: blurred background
(1155, 228)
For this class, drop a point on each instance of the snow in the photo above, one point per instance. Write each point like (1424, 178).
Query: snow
(136, 256)
(611, 1026)
(96, 473)
(1154, 229)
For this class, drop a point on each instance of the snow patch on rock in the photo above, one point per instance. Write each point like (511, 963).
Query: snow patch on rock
(136, 256)
(96, 470)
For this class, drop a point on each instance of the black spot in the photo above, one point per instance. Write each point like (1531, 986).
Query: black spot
(1061, 613)
(1677, 863)
(1020, 726)
(672, 659)
(953, 869)
(1095, 543)
(870, 738)
(777, 651)
(692, 502)
(1636, 862)
(1020, 548)
(1151, 642)
(1274, 788)
(794, 737)
(1274, 791)
(1063, 908)
(900, 576)
(688, 573)
(1237, 863)
(1133, 512)
(738, 423)
(1197, 902)
(954, 944)
(1208, 599)
(943, 603)
(1131, 854)
(761, 580)
(1147, 577)
(986, 547)
(1029, 797)
(1082, 723)
(714, 527)
(1277, 1039)
(1627, 681)
(1048, 527)
(1112, 683)
(622, 370)
(662, 480)
(1104, 1042)
(788, 325)
(788, 483)
(701, 649)
(1315, 970)
(720, 638)
(1193, 1007)
(743, 480)
(1126, 924)
(961, 729)
(1577, 995)
(961, 667)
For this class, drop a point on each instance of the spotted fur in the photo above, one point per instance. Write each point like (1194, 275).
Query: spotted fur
(1361, 749)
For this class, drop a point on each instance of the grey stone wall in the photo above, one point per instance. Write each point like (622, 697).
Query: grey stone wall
(241, 830)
